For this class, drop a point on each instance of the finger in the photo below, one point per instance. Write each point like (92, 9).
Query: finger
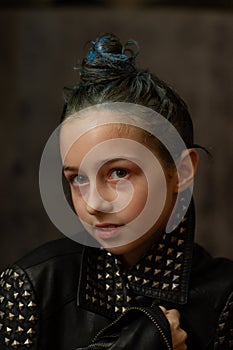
(163, 309)
(179, 340)
(173, 317)
(174, 313)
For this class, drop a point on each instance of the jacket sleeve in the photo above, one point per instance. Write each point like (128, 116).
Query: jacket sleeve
(137, 328)
(19, 316)
(224, 334)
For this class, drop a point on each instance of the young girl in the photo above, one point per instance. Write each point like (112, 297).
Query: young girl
(137, 280)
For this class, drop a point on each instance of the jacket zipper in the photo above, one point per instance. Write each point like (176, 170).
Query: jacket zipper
(146, 312)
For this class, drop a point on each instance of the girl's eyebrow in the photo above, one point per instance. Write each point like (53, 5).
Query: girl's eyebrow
(69, 168)
(103, 161)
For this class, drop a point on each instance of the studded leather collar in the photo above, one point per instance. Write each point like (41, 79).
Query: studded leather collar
(162, 274)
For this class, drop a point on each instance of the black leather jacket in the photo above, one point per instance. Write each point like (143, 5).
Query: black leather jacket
(62, 294)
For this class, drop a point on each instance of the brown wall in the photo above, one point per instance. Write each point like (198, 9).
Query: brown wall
(191, 50)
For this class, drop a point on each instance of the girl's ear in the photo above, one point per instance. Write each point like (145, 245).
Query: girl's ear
(186, 168)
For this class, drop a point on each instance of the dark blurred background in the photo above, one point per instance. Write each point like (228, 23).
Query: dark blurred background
(188, 44)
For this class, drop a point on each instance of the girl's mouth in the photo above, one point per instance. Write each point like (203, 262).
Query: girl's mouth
(106, 231)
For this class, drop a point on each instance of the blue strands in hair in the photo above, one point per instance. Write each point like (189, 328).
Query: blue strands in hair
(91, 55)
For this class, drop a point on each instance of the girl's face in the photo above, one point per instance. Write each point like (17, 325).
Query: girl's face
(112, 175)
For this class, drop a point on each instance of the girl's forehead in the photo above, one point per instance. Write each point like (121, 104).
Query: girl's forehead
(95, 127)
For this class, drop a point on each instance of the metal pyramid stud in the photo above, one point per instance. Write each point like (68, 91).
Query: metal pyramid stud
(1, 325)
(169, 262)
(15, 276)
(145, 281)
(7, 287)
(16, 295)
(6, 341)
(2, 314)
(117, 309)
(182, 230)
(157, 271)
(2, 282)
(222, 339)
(19, 330)
(161, 246)
(32, 319)
(20, 284)
(10, 316)
(8, 330)
(155, 284)
(170, 251)
(175, 286)
(130, 277)
(119, 297)
(175, 278)
(167, 273)
(119, 285)
(128, 299)
(150, 257)
(221, 326)
(147, 269)
(15, 344)
(123, 309)
(20, 318)
(94, 300)
(108, 266)
(180, 242)
(2, 298)
(226, 315)
(26, 294)
(108, 287)
(110, 298)
(102, 303)
(31, 305)
(158, 258)
(179, 255)
(9, 305)
(177, 267)
(165, 286)
(28, 342)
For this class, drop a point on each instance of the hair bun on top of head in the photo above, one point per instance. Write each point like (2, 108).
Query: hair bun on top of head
(108, 59)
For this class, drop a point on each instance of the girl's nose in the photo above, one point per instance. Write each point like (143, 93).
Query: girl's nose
(98, 201)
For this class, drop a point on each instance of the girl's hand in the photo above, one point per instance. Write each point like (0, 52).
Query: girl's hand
(179, 336)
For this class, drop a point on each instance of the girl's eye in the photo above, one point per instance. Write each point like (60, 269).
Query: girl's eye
(119, 174)
(79, 180)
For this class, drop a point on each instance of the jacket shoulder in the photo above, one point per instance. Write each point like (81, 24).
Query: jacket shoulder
(211, 286)
(217, 271)
(53, 250)
(35, 288)
(53, 270)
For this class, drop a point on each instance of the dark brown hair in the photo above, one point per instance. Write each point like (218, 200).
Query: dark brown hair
(108, 74)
